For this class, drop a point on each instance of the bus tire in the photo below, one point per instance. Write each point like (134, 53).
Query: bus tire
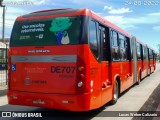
(116, 93)
(140, 78)
(149, 72)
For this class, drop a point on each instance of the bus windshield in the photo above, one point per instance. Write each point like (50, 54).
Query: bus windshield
(53, 31)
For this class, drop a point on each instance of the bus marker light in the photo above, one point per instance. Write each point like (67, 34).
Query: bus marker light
(81, 68)
(80, 84)
(82, 76)
(91, 90)
(91, 83)
(67, 101)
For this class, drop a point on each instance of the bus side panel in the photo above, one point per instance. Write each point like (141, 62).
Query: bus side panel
(95, 82)
(144, 69)
(131, 72)
(139, 68)
(122, 70)
(126, 73)
(152, 65)
(115, 71)
(149, 62)
(106, 88)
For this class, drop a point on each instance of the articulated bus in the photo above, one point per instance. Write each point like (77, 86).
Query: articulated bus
(74, 60)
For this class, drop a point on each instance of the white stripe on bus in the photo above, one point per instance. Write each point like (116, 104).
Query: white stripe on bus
(54, 58)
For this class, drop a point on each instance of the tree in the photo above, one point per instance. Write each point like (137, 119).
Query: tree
(1, 3)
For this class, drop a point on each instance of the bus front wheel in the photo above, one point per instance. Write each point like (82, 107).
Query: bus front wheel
(116, 93)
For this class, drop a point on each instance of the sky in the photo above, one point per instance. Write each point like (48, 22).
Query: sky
(140, 19)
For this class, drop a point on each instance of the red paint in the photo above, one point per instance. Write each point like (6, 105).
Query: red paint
(98, 77)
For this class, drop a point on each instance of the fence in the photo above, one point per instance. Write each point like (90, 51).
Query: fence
(3, 64)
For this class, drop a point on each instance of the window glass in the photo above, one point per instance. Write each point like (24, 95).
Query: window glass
(131, 47)
(93, 38)
(138, 51)
(53, 31)
(150, 54)
(115, 47)
(144, 53)
(122, 43)
(115, 54)
(123, 53)
(114, 38)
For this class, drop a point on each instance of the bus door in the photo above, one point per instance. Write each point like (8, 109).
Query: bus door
(125, 64)
(129, 52)
(147, 60)
(134, 64)
(105, 79)
(144, 50)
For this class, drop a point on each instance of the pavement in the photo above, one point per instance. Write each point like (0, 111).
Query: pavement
(3, 92)
(152, 104)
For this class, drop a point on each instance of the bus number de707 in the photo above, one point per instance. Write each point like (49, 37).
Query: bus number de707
(62, 69)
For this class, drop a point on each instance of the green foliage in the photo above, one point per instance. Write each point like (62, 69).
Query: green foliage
(2, 60)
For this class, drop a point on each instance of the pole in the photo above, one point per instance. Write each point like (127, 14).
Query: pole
(3, 20)
(3, 26)
(6, 65)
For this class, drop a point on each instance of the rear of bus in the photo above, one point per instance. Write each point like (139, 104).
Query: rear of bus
(49, 60)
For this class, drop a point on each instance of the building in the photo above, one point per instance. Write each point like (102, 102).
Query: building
(3, 49)
(6, 41)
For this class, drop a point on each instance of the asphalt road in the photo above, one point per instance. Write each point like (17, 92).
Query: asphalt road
(134, 99)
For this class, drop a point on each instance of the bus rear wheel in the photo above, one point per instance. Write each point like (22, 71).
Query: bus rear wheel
(116, 93)
(140, 78)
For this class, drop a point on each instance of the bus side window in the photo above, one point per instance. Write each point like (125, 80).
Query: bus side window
(144, 53)
(115, 46)
(128, 49)
(138, 51)
(131, 48)
(123, 46)
(141, 51)
(93, 38)
(104, 39)
(150, 54)
(154, 55)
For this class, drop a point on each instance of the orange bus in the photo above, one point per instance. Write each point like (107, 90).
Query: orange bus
(72, 59)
